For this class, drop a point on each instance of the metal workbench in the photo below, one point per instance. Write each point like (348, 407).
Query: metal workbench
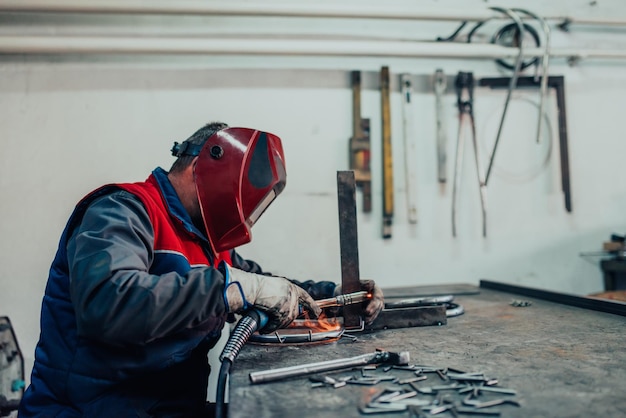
(562, 360)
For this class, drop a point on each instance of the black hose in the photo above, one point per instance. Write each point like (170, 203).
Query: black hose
(222, 378)
(511, 29)
(253, 320)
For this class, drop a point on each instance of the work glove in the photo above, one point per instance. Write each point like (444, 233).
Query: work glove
(280, 299)
(374, 305)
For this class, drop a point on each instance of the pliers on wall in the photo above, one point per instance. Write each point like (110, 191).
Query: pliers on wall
(464, 84)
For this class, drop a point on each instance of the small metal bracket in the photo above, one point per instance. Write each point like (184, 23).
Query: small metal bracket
(565, 25)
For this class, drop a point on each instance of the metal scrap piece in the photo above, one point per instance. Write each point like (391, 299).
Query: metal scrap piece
(520, 303)
(412, 380)
(387, 396)
(433, 390)
(416, 412)
(472, 411)
(468, 377)
(496, 402)
(409, 367)
(376, 408)
(363, 381)
(403, 396)
(435, 410)
(497, 390)
(442, 375)
(414, 402)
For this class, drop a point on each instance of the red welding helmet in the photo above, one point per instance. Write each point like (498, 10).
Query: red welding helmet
(239, 172)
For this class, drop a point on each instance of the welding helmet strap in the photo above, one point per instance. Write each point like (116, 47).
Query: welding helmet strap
(186, 148)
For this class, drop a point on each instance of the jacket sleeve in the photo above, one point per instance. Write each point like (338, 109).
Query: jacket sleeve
(246, 265)
(317, 289)
(115, 297)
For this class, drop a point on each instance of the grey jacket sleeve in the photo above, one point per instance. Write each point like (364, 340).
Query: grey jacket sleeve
(246, 265)
(115, 298)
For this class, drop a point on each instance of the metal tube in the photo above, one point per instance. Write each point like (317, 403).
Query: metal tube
(237, 9)
(324, 366)
(256, 46)
(231, 8)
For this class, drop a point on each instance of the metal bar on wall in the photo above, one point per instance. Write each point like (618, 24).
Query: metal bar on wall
(258, 46)
(234, 8)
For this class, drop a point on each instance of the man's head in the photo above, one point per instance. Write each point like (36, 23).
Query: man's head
(198, 139)
(236, 174)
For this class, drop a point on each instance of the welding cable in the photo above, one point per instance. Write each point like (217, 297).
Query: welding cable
(474, 30)
(252, 321)
(454, 34)
(508, 35)
(512, 84)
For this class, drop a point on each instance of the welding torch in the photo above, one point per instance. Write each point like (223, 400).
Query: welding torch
(342, 300)
(254, 320)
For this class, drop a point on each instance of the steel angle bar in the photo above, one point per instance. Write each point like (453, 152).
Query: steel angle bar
(614, 307)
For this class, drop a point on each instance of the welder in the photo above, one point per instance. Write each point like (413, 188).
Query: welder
(146, 275)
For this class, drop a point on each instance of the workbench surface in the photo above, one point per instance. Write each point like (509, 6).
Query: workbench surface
(562, 361)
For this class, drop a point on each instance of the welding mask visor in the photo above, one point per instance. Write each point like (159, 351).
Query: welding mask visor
(239, 172)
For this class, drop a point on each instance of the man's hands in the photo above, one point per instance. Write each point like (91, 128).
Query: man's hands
(283, 300)
(276, 296)
(376, 304)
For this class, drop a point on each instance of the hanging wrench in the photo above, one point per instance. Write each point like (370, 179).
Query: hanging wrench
(440, 88)
(410, 147)
(464, 84)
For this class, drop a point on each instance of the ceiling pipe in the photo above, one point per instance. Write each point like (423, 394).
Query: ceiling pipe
(234, 8)
(225, 46)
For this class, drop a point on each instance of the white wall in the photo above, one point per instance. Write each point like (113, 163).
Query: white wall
(72, 123)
